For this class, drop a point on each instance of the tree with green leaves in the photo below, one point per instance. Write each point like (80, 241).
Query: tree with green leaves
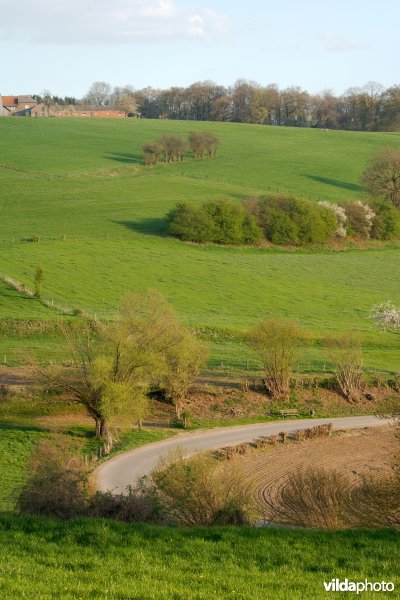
(38, 282)
(184, 361)
(114, 364)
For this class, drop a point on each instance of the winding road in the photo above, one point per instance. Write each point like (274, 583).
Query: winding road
(121, 471)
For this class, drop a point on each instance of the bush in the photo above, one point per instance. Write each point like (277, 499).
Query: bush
(313, 498)
(193, 492)
(360, 218)
(289, 220)
(277, 342)
(218, 221)
(190, 224)
(347, 358)
(173, 147)
(137, 506)
(386, 224)
(326, 499)
(152, 152)
(57, 485)
(203, 143)
(232, 225)
(376, 503)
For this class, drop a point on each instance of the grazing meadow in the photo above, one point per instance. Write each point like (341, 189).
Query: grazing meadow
(80, 188)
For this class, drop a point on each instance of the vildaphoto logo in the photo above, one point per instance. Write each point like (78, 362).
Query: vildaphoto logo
(358, 586)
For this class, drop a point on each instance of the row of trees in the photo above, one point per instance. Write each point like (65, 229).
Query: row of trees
(172, 148)
(115, 365)
(282, 219)
(367, 108)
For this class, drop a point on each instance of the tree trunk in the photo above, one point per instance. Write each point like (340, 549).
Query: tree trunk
(102, 429)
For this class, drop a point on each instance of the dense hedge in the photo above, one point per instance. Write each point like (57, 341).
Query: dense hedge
(386, 223)
(283, 220)
(218, 221)
(289, 220)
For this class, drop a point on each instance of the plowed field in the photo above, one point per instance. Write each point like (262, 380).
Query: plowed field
(354, 453)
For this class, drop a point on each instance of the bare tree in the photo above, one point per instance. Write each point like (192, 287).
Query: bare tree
(99, 93)
(47, 100)
(174, 147)
(347, 359)
(125, 99)
(382, 175)
(277, 342)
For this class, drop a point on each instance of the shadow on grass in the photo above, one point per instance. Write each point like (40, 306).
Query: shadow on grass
(345, 185)
(15, 426)
(125, 157)
(146, 226)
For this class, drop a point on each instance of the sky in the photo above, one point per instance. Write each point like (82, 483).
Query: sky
(64, 46)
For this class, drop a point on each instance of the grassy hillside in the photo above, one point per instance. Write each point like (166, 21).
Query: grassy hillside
(100, 213)
(46, 559)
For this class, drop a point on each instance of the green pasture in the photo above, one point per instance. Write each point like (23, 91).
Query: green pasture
(100, 214)
(44, 558)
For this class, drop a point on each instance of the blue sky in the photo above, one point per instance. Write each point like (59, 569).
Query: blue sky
(64, 46)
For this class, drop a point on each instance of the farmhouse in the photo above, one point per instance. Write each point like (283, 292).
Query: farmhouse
(20, 106)
(55, 110)
(26, 106)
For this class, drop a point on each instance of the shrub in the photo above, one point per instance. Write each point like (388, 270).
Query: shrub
(139, 505)
(288, 220)
(386, 224)
(360, 218)
(193, 492)
(218, 221)
(57, 484)
(152, 152)
(173, 147)
(190, 224)
(347, 358)
(313, 498)
(340, 215)
(277, 342)
(376, 502)
(232, 225)
(203, 143)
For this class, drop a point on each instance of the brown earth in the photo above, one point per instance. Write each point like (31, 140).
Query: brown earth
(219, 398)
(354, 453)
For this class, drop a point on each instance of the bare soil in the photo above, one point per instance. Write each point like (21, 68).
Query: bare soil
(355, 453)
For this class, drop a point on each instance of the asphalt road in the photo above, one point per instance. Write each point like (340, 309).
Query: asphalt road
(123, 470)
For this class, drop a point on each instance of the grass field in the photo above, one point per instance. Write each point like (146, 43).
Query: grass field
(50, 559)
(80, 185)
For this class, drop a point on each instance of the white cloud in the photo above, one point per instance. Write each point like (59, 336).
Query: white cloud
(336, 43)
(106, 21)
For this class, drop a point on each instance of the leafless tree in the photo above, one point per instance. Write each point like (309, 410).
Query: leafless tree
(382, 175)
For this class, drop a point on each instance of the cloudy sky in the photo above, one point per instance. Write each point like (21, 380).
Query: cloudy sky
(64, 46)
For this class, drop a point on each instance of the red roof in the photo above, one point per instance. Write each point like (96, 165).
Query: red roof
(9, 100)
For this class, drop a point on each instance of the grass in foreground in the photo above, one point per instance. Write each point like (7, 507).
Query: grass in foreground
(97, 559)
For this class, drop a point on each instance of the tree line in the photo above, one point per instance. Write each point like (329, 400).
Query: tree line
(368, 108)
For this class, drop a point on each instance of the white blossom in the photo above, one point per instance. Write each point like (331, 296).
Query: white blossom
(369, 214)
(386, 315)
(340, 214)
